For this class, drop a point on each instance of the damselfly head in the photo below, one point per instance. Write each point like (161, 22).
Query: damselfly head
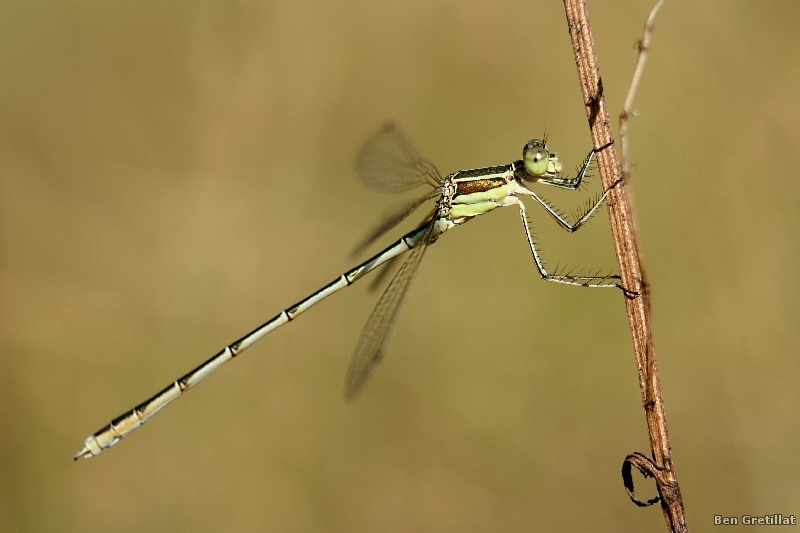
(538, 161)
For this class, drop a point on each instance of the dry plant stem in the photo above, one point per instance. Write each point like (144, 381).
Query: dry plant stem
(633, 279)
(644, 48)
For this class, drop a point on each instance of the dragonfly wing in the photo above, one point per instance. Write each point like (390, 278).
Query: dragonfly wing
(377, 330)
(387, 267)
(389, 163)
(393, 218)
(382, 272)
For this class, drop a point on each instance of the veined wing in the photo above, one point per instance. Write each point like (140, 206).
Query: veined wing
(389, 163)
(393, 218)
(377, 330)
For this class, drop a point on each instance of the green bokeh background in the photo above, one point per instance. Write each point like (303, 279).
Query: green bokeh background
(174, 173)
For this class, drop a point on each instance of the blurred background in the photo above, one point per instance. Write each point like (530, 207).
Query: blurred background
(172, 174)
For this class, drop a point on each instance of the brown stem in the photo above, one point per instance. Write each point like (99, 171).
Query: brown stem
(644, 48)
(623, 229)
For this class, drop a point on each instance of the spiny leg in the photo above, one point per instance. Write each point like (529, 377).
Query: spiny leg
(569, 183)
(582, 219)
(569, 278)
(573, 183)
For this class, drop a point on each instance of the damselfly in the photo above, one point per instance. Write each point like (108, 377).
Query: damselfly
(388, 162)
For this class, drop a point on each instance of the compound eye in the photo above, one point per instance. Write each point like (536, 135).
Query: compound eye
(536, 158)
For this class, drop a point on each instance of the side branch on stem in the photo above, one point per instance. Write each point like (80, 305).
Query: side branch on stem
(626, 244)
